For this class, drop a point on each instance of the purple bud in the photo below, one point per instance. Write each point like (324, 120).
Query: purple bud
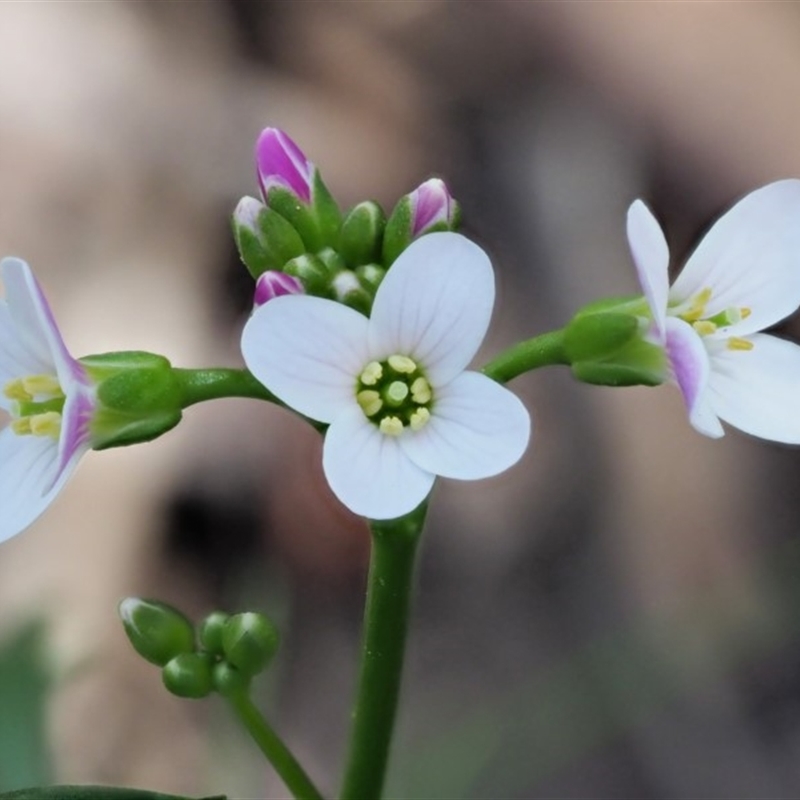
(431, 204)
(280, 162)
(273, 284)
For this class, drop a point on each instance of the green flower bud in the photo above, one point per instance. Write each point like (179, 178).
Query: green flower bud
(347, 289)
(189, 675)
(264, 239)
(157, 631)
(249, 642)
(311, 271)
(370, 276)
(138, 398)
(229, 680)
(211, 631)
(333, 262)
(361, 234)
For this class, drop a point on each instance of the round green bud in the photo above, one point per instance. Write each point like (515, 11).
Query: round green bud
(189, 675)
(249, 641)
(210, 631)
(228, 680)
(312, 272)
(157, 631)
(361, 234)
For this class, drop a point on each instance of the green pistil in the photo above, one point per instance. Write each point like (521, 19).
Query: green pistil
(394, 394)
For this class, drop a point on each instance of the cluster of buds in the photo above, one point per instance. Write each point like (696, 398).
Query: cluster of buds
(295, 240)
(222, 655)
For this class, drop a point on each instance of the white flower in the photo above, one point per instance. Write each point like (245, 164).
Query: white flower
(743, 277)
(393, 388)
(48, 397)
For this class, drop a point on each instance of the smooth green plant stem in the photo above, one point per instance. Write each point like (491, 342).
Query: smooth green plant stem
(198, 385)
(271, 745)
(541, 351)
(394, 546)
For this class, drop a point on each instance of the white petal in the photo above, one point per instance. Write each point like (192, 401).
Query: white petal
(434, 305)
(750, 258)
(368, 471)
(757, 390)
(477, 429)
(690, 367)
(307, 351)
(27, 466)
(651, 256)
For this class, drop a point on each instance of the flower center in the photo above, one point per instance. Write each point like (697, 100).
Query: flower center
(395, 394)
(694, 312)
(38, 403)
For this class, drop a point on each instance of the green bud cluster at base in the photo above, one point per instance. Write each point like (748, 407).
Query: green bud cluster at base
(223, 655)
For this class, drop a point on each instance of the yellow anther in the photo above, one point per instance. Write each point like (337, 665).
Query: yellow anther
(396, 392)
(391, 426)
(15, 390)
(735, 343)
(421, 391)
(47, 424)
(21, 426)
(372, 373)
(42, 384)
(704, 327)
(419, 419)
(745, 312)
(697, 308)
(370, 401)
(402, 364)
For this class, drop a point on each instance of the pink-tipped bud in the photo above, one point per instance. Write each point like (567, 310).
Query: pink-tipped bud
(273, 284)
(432, 205)
(280, 162)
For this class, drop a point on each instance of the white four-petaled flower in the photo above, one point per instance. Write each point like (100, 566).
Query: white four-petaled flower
(393, 388)
(47, 395)
(743, 277)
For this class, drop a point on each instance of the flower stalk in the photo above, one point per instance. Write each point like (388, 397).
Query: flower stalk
(541, 351)
(394, 547)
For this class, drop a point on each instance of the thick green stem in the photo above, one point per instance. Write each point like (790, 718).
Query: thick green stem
(271, 745)
(541, 351)
(198, 385)
(394, 545)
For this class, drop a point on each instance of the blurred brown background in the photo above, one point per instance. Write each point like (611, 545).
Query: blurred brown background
(617, 616)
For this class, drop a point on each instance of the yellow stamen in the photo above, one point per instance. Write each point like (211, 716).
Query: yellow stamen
(704, 327)
(745, 312)
(735, 343)
(15, 390)
(402, 364)
(697, 309)
(391, 426)
(419, 419)
(21, 426)
(396, 392)
(47, 424)
(42, 384)
(372, 374)
(370, 401)
(421, 391)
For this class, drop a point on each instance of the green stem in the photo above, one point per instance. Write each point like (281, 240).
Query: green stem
(541, 351)
(198, 385)
(271, 745)
(394, 545)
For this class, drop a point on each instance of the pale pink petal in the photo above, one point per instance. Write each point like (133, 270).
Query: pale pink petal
(750, 258)
(757, 390)
(368, 471)
(651, 256)
(478, 428)
(434, 305)
(308, 352)
(689, 362)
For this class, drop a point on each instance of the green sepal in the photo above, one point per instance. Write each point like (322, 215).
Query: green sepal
(311, 271)
(333, 262)
(347, 289)
(72, 792)
(638, 363)
(138, 398)
(268, 244)
(189, 675)
(370, 276)
(361, 234)
(249, 641)
(397, 234)
(633, 304)
(595, 337)
(329, 216)
(157, 631)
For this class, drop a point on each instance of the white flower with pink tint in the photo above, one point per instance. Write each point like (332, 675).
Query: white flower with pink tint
(280, 162)
(743, 277)
(393, 389)
(48, 397)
